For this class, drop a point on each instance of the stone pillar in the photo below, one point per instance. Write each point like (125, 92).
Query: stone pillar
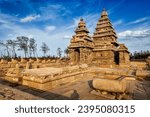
(124, 57)
(82, 55)
(72, 55)
(127, 57)
(89, 57)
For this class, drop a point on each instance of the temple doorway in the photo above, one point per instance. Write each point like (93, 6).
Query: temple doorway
(116, 57)
(77, 56)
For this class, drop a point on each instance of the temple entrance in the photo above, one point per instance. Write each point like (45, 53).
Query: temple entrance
(77, 56)
(116, 57)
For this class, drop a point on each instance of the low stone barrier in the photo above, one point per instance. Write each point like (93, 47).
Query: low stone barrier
(109, 85)
(143, 73)
(120, 88)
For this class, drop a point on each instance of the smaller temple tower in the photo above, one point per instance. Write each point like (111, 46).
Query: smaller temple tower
(81, 45)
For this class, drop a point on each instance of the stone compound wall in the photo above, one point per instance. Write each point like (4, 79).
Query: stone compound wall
(4, 66)
(103, 58)
(21, 64)
(46, 74)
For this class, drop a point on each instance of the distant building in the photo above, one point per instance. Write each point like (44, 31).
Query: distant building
(101, 49)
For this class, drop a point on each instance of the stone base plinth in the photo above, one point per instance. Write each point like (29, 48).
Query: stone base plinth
(48, 78)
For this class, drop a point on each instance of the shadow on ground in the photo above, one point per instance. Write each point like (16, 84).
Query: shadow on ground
(40, 93)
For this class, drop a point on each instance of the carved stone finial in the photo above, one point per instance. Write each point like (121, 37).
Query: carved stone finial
(81, 19)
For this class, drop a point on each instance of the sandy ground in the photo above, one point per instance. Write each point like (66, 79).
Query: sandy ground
(77, 90)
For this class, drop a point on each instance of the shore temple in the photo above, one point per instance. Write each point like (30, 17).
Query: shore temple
(102, 49)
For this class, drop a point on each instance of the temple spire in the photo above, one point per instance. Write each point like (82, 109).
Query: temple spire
(104, 36)
(104, 13)
(81, 19)
(104, 29)
(81, 27)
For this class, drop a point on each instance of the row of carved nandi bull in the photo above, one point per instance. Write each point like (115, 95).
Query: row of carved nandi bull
(25, 63)
(41, 74)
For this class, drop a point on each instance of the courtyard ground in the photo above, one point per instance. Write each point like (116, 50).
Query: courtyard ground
(76, 90)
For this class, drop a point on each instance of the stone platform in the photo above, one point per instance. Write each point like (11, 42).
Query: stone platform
(46, 78)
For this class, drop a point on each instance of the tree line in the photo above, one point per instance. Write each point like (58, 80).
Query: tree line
(140, 55)
(28, 46)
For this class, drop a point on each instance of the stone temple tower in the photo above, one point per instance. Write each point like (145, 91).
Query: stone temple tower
(102, 49)
(107, 51)
(80, 48)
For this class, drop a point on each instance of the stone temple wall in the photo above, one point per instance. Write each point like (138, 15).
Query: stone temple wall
(101, 58)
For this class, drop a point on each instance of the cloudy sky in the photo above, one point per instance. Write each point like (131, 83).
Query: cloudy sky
(54, 21)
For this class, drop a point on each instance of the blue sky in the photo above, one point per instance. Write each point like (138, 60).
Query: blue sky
(54, 21)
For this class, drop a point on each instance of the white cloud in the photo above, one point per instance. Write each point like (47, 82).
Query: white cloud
(135, 33)
(135, 40)
(125, 33)
(50, 28)
(75, 23)
(54, 39)
(29, 18)
(139, 21)
(90, 20)
(10, 35)
(51, 12)
(67, 37)
(118, 22)
(30, 36)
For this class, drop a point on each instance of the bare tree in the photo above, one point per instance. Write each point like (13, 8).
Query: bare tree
(22, 42)
(7, 48)
(12, 45)
(59, 52)
(66, 51)
(32, 46)
(44, 48)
